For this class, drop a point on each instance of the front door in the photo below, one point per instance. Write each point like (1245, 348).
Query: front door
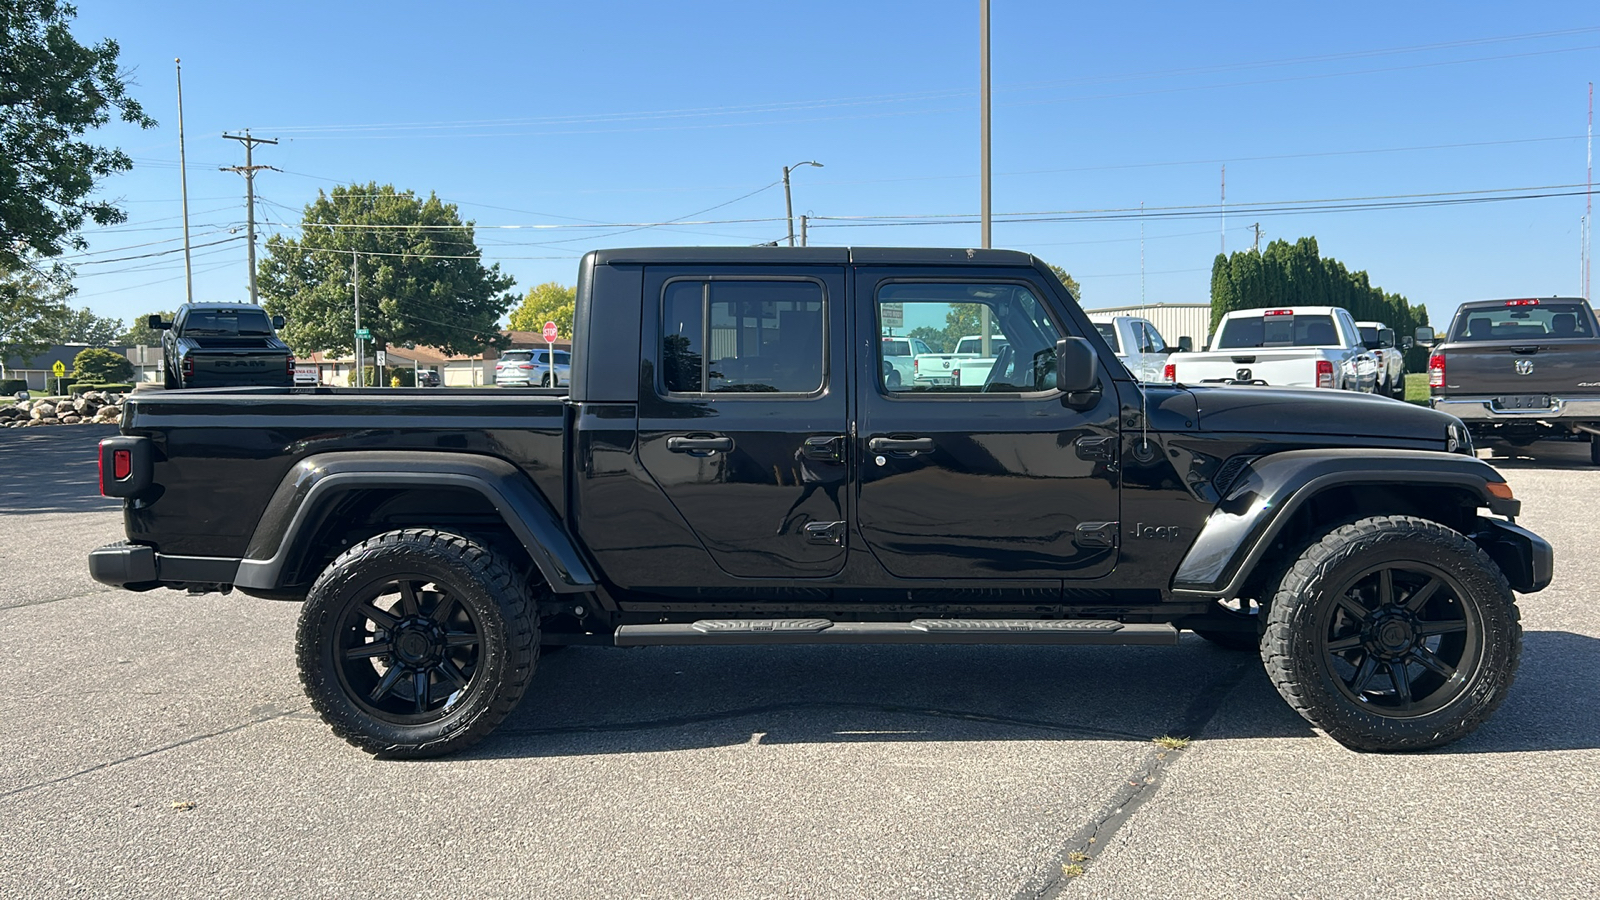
(997, 474)
(743, 415)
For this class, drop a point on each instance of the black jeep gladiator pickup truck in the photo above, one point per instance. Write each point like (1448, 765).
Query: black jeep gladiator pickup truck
(730, 465)
(1520, 371)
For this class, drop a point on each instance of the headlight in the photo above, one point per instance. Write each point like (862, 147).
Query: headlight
(1457, 439)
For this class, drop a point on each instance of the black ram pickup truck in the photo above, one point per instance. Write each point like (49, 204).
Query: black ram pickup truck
(223, 345)
(1521, 370)
(730, 465)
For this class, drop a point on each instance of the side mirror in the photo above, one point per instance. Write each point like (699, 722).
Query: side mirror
(278, 321)
(1407, 343)
(1186, 344)
(1075, 366)
(156, 323)
(1424, 334)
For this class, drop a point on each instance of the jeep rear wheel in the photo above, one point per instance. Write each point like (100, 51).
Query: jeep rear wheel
(416, 643)
(1393, 633)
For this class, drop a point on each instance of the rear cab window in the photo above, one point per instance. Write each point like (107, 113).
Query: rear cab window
(1108, 330)
(1520, 320)
(1277, 328)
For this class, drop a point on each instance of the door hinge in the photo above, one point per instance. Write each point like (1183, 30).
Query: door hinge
(827, 448)
(825, 533)
(1097, 447)
(1098, 534)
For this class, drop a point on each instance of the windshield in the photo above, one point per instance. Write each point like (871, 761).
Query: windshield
(1252, 332)
(227, 321)
(1517, 323)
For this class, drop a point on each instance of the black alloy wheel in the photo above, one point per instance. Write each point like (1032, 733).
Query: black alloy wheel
(1398, 640)
(1393, 633)
(416, 643)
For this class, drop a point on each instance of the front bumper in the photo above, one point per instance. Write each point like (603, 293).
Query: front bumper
(1527, 560)
(1483, 409)
(137, 567)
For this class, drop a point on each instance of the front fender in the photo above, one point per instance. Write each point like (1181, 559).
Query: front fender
(317, 481)
(1266, 495)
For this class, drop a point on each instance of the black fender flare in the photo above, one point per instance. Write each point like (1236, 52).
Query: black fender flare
(1267, 493)
(318, 480)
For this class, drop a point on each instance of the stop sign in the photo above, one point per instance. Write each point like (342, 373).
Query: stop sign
(549, 332)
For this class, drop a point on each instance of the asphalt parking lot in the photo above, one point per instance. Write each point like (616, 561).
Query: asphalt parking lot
(159, 744)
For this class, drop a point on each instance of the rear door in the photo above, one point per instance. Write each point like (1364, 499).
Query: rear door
(743, 413)
(996, 477)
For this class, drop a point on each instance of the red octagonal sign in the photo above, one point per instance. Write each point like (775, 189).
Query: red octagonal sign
(549, 332)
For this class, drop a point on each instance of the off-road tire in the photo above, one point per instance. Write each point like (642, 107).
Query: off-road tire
(1296, 647)
(482, 583)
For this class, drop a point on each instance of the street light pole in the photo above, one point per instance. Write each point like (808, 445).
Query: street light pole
(788, 201)
(985, 327)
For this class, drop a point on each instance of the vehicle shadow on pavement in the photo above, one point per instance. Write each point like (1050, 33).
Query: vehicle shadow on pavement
(52, 469)
(583, 702)
(1557, 455)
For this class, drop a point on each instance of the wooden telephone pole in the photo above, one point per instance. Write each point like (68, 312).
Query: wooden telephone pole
(249, 170)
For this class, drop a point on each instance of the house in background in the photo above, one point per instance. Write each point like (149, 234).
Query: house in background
(37, 371)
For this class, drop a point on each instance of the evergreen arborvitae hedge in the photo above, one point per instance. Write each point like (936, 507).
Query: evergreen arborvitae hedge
(1296, 274)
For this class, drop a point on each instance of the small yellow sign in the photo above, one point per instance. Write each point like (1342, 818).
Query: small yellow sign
(59, 369)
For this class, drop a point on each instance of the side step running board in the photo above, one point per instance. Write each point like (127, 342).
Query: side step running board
(919, 631)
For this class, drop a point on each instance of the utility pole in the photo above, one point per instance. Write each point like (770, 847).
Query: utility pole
(1141, 255)
(1588, 203)
(248, 170)
(788, 201)
(1257, 227)
(361, 356)
(183, 180)
(985, 219)
(802, 229)
(1224, 209)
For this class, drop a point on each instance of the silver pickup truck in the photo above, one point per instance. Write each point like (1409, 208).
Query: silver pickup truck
(1520, 371)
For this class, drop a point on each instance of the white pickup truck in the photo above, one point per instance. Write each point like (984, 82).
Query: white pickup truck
(1379, 338)
(1302, 346)
(1138, 344)
(967, 365)
(901, 354)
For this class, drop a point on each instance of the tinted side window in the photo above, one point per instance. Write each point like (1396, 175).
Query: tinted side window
(1021, 337)
(742, 337)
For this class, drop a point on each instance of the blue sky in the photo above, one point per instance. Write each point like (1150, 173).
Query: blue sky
(542, 114)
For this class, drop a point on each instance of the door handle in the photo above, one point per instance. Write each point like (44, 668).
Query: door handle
(900, 445)
(683, 444)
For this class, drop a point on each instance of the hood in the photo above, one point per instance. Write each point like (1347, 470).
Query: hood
(1257, 409)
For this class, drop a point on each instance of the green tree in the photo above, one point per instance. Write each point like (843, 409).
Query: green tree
(31, 305)
(420, 271)
(53, 90)
(962, 320)
(933, 337)
(548, 302)
(101, 366)
(81, 326)
(1068, 280)
(140, 331)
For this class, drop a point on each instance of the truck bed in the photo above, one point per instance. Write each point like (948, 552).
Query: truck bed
(223, 451)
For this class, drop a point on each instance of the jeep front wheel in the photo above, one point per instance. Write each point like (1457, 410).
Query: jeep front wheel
(1393, 633)
(416, 643)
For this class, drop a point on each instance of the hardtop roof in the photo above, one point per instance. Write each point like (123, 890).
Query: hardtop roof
(812, 256)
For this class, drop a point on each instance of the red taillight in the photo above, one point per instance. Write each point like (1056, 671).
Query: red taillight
(955, 378)
(188, 367)
(1278, 312)
(1522, 303)
(289, 367)
(121, 463)
(1324, 373)
(1436, 370)
(1170, 373)
(916, 365)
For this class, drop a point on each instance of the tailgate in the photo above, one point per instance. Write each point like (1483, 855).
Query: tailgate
(239, 367)
(1293, 368)
(1515, 368)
